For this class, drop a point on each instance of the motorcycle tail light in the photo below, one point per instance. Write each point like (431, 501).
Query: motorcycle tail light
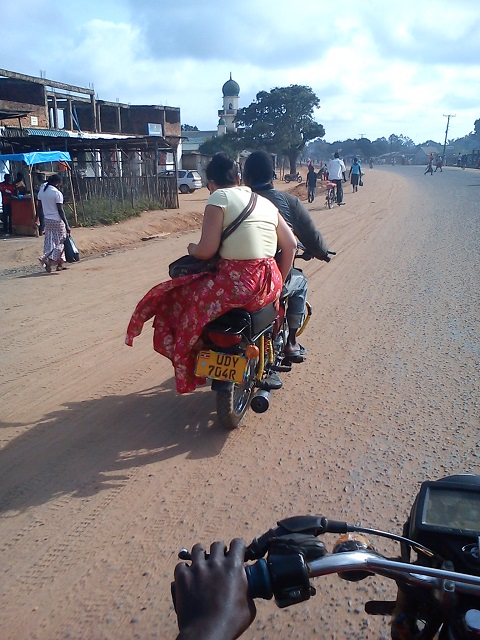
(223, 339)
(252, 351)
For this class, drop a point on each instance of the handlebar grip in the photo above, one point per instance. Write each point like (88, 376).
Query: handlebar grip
(258, 578)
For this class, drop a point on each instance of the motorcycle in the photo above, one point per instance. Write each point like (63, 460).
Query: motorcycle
(438, 592)
(292, 177)
(242, 353)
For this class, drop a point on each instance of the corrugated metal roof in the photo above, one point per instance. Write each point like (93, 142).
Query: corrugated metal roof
(49, 133)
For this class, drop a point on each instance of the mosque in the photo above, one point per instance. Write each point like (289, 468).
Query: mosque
(226, 122)
(230, 91)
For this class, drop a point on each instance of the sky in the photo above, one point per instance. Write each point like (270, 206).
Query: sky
(378, 67)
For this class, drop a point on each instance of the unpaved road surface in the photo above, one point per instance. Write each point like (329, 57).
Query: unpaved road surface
(105, 472)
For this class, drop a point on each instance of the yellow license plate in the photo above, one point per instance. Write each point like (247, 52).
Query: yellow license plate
(220, 366)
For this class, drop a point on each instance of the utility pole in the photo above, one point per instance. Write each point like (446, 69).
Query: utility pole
(448, 116)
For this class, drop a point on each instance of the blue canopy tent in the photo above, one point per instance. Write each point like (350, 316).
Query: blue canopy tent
(36, 157)
(39, 157)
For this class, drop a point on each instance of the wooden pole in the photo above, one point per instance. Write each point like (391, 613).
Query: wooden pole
(34, 204)
(74, 205)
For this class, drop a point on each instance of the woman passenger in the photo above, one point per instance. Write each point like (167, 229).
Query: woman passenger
(247, 274)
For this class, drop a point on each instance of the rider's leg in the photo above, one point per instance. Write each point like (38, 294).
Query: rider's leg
(339, 191)
(296, 285)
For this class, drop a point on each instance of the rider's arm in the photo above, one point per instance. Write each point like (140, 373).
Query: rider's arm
(211, 235)
(211, 595)
(305, 230)
(287, 243)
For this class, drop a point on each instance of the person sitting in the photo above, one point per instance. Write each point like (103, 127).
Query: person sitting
(257, 174)
(247, 274)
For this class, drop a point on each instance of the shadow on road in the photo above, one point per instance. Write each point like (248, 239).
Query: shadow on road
(91, 446)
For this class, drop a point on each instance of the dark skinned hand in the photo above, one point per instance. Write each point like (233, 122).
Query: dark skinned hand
(211, 595)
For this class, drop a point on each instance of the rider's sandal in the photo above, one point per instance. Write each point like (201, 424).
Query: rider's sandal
(271, 383)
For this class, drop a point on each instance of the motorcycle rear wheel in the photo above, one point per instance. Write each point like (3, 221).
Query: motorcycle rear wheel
(232, 405)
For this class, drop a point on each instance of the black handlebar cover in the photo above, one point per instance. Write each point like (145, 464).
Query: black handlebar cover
(309, 525)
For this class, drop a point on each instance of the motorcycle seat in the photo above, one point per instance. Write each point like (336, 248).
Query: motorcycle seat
(239, 321)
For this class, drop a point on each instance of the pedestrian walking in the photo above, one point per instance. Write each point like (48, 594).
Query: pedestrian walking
(429, 168)
(355, 174)
(311, 182)
(50, 203)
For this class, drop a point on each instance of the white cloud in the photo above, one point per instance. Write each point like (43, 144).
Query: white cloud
(377, 68)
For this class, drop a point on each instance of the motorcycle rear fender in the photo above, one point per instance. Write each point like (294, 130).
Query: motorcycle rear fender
(221, 385)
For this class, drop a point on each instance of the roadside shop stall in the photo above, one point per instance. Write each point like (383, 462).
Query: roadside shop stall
(24, 206)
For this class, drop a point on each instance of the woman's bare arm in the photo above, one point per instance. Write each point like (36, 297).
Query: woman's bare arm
(209, 242)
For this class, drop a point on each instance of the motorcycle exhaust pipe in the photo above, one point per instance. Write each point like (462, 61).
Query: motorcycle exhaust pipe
(260, 401)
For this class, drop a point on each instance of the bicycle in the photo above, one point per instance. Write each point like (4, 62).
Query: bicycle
(330, 196)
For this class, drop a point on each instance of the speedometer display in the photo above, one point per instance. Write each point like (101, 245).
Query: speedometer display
(452, 509)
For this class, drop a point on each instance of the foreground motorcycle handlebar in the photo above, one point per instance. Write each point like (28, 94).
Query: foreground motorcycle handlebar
(286, 577)
(290, 555)
(438, 593)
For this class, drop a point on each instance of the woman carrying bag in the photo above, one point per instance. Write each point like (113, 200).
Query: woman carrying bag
(247, 275)
(355, 175)
(50, 203)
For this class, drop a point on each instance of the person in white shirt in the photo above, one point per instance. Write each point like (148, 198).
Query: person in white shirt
(336, 173)
(50, 203)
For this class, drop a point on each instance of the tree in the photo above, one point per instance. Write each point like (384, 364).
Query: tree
(280, 121)
(476, 126)
(188, 127)
(229, 143)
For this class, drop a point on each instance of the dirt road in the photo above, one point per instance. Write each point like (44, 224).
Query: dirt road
(105, 472)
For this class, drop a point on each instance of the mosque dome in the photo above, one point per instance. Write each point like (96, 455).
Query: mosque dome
(222, 122)
(231, 88)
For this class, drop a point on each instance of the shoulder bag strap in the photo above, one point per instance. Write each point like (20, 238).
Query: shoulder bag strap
(239, 219)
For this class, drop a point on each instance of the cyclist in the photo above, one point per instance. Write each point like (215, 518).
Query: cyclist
(337, 171)
(257, 174)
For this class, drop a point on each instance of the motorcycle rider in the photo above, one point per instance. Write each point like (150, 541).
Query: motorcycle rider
(258, 175)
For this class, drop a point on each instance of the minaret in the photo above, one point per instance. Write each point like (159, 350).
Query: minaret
(231, 91)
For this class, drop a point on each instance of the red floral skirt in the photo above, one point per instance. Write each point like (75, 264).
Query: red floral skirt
(182, 307)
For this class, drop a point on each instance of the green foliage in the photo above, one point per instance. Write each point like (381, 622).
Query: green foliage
(230, 143)
(362, 147)
(188, 127)
(98, 211)
(281, 121)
